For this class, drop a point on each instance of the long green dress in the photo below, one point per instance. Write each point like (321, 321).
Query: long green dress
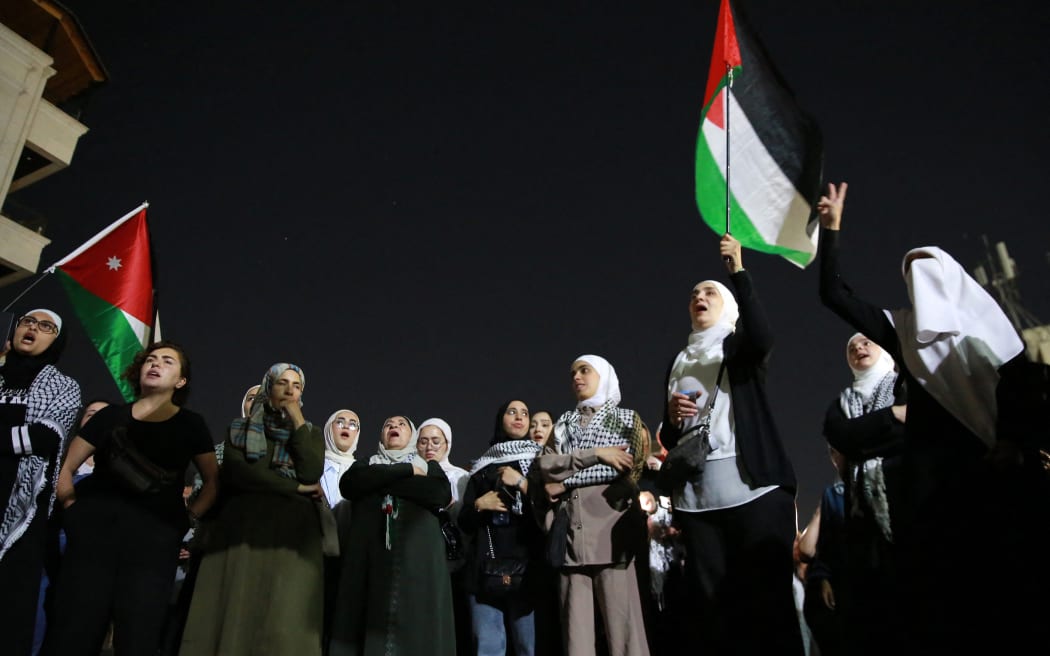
(259, 590)
(394, 600)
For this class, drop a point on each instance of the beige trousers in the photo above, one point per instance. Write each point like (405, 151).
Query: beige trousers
(615, 588)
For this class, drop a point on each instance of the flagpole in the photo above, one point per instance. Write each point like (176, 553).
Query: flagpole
(94, 240)
(25, 291)
(729, 85)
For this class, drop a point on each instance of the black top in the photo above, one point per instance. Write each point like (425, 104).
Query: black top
(518, 537)
(169, 444)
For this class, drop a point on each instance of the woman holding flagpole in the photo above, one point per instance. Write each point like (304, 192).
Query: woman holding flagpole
(738, 518)
(38, 405)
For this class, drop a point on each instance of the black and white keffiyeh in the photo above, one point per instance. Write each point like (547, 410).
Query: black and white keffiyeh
(52, 400)
(522, 452)
(610, 426)
(872, 390)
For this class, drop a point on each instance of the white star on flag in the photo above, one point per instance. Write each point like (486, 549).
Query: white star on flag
(113, 263)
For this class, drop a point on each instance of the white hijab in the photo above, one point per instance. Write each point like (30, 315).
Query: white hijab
(866, 380)
(696, 369)
(409, 454)
(705, 345)
(452, 472)
(341, 459)
(608, 383)
(954, 338)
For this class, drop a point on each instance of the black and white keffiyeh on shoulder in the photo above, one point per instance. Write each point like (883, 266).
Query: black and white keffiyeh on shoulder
(610, 426)
(52, 402)
(522, 452)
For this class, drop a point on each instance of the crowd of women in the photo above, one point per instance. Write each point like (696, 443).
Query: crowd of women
(543, 545)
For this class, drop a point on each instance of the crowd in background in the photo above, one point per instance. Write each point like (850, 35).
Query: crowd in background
(128, 527)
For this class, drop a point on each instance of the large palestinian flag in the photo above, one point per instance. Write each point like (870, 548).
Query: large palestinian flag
(775, 150)
(110, 285)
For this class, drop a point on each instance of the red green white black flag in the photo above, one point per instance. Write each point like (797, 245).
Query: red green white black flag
(775, 149)
(109, 281)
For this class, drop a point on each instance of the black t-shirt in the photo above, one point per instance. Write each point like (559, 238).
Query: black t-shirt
(169, 444)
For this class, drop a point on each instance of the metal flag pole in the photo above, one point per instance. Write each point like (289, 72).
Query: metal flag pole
(729, 85)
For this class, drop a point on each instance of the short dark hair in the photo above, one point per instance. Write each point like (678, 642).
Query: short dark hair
(134, 370)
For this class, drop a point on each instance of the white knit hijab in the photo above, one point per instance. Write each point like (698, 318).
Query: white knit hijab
(954, 338)
(342, 459)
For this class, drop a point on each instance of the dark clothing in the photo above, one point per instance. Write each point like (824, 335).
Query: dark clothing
(865, 569)
(394, 570)
(169, 444)
(520, 538)
(826, 624)
(739, 560)
(945, 500)
(119, 564)
(122, 547)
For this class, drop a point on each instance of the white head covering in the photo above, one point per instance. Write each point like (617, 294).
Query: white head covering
(245, 398)
(705, 344)
(954, 338)
(696, 370)
(865, 380)
(608, 383)
(387, 456)
(452, 472)
(55, 319)
(342, 459)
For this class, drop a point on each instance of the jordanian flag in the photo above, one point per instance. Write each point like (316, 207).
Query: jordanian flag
(110, 285)
(776, 150)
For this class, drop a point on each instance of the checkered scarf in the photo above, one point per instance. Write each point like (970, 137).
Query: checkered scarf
(522, 451)
(866, 479)
(610, 426)
(263, 423)
(53, 400)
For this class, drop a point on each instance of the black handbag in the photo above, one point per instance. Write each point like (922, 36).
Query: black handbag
(135, 471)
(452, 535)
(685, 463)
(500, 576)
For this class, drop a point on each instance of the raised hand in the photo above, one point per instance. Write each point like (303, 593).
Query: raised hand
(829, 207)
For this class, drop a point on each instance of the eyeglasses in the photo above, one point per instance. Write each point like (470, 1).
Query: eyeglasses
(43, 325)
(347, 423)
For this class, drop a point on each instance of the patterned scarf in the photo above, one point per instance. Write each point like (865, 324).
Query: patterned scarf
(610, 426)
(872, 390)
(522, 451)
(53, 400)
(264, 423)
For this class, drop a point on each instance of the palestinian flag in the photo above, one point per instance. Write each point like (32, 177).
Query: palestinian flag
(775, 150)
(110, 285)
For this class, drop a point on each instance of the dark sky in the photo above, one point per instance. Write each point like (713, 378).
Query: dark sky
(434, 207)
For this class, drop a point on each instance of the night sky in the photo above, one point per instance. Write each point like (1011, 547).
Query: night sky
(435, 207)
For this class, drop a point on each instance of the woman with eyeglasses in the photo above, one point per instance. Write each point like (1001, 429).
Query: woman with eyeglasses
(38, 405)
(393, 566)
(435, 444)
(341, 433)
(124, 532)
(260, 586)
(498, 517)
